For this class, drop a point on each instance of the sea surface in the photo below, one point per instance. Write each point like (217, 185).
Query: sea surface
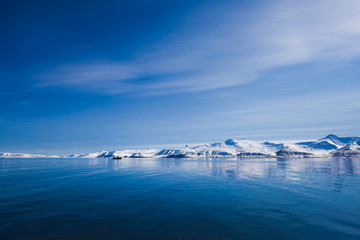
(180, 199)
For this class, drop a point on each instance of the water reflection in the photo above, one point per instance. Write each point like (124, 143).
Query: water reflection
(243, 168)
(332, 172)
(180, 198)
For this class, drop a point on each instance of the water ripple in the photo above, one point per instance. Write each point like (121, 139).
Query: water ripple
(179, 198)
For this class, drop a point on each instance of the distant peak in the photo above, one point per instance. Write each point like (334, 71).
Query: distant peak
(230, 142)
(331, 136)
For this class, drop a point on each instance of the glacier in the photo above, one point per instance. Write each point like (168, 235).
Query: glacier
(329, 146)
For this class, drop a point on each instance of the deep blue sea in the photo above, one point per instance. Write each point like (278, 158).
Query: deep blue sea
(180, 199)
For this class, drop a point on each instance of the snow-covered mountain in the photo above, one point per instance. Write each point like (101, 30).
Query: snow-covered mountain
(350, 150)
(125, 154)
(329, 146)
(25, 155)
(331, 142)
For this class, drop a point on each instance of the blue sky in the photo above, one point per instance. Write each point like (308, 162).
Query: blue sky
(80, 76)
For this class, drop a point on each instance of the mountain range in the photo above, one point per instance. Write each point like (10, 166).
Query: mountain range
(329, 146)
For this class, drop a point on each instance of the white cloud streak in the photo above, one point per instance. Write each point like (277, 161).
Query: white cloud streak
(235, 48)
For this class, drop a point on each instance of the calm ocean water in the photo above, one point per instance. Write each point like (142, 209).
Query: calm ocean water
(179, 199)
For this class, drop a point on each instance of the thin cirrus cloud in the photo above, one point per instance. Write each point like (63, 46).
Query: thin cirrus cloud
(235, 48)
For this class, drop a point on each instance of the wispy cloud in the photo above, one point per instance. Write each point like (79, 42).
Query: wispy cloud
(233, 49)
